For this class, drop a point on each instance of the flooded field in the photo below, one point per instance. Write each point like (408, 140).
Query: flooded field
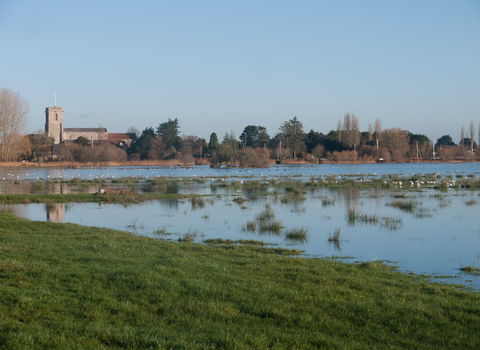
(423, 221)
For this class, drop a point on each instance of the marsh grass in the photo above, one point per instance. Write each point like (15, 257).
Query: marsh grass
(392, 223)
(297, 235)
(270, 226)
(471, 202)
(266, 214)
(251, 226)
(189, 236)
(408, 206)
(162, 231)
(239, 200)
(354, 216)
(135, 224)
(471, 268)
(336, 236)
(328, 202)
(112, 197)
(423, 213)
(294, 196)
(197, 202)
(265, 222)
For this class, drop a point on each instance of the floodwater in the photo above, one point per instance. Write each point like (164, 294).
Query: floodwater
(437, 236)
(301, 171)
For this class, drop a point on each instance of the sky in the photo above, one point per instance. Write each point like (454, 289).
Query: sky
(219, 66)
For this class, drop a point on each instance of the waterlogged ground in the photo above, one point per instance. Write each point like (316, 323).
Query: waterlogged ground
(418, 228)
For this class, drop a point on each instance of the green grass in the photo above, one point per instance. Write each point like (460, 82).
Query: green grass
(297, 235)
(336, 236)
(408, 206)
(109, 197)
(64, 286)
(354, 216)
(471, 202)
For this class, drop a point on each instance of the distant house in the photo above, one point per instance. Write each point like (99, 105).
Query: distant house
(123, 140)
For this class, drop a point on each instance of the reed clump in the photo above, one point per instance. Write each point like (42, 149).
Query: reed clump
(297, 235)
(197, 202)
(335, 236)
(405, 205)
(265, 222)
(355, 216)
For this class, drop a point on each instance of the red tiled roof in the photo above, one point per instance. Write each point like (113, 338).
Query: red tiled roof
(121, 136)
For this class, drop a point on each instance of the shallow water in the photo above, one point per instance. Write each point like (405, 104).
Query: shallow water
(300, 171)
(441, 235)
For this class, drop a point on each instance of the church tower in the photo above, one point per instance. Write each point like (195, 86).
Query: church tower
(54, 123)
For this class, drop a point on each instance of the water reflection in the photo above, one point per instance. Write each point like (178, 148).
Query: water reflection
(442, 232)
(55, 212)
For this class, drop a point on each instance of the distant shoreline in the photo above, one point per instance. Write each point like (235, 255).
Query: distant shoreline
(177, 163)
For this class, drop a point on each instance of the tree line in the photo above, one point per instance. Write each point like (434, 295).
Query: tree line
(254, 146)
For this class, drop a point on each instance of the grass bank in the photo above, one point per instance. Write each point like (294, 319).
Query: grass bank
(123, 197)
(69, 286)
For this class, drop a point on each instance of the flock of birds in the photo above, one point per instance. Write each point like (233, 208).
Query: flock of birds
(192, 173)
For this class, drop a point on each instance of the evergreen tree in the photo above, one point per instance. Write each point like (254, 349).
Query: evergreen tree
(169, 132)
(294, 135)
(213, 144)
(143, 145)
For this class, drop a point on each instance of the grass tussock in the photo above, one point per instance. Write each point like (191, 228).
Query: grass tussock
(354, 216)
(264, 223)
(336, 236)
(408, 206)
(297, 235)
(73, 287)
(471, 202)
(197, 202)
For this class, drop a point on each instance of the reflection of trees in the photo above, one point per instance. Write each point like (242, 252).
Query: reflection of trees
(17, 210)
(379, 193)
(171, 204)
(55, 212)
(349, 195)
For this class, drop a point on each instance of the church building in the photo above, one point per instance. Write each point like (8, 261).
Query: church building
(54, 128)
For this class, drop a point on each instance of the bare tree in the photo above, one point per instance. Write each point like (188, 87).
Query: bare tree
(134, 130)
(462, 135)
(231, 148)
(377, 129)
(355, 131)
(471, 130)
(350, 133)
(13, 120)
(339, 130)
(370, 132)
(396, 141)
(347, 129)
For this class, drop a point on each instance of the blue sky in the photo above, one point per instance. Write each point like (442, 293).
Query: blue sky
(222, 65)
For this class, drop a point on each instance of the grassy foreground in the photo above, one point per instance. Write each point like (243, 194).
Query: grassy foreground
(68, 286)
